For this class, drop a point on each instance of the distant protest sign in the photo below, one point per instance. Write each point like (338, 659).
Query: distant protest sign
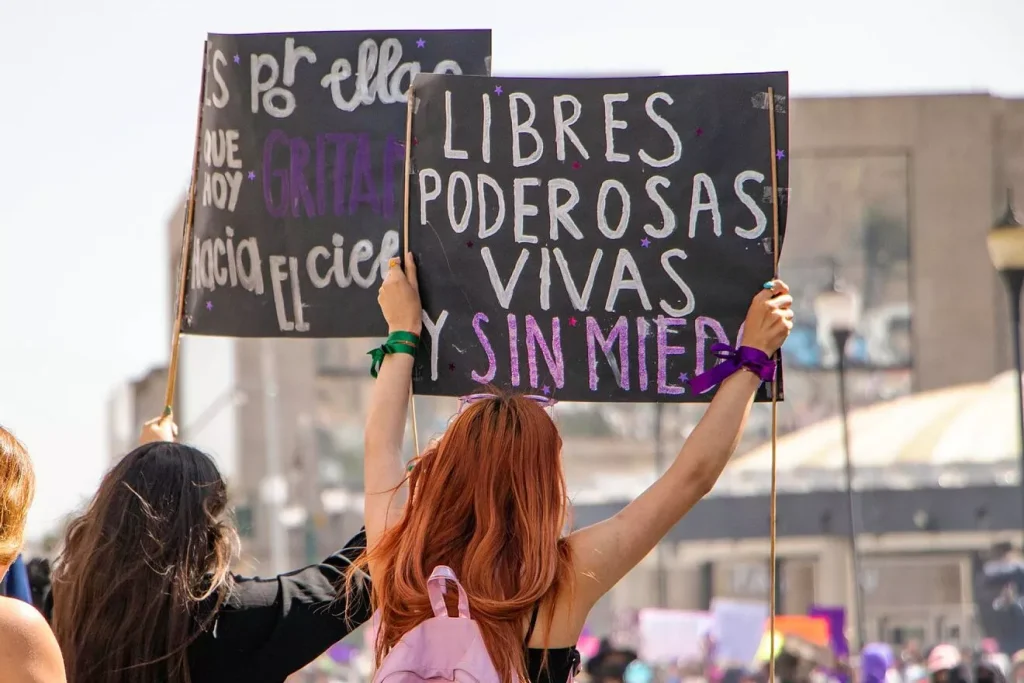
(590, 239)
(300, 184)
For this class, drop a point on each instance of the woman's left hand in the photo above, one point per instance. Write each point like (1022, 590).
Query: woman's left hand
(769, 318)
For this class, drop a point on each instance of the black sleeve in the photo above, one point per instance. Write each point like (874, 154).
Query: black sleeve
(282, 624)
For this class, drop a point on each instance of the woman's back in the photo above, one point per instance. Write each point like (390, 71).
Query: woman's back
(496, 520)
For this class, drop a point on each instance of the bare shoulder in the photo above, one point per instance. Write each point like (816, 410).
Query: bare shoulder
(28, 650)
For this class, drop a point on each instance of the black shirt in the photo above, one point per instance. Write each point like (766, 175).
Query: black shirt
(563, 663)
(268, 629)
(553, 665)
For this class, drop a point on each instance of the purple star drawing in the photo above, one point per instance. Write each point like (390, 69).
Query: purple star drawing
(645, 243)
(546, 389)
(497, 90)
(451, 366)
(252, 175)
(421, 43)
(573, 321)
(684, 377)
(699, 131)
(238, 59)
(209, 305)
(577, 165)
(780, 154)
(469, 244)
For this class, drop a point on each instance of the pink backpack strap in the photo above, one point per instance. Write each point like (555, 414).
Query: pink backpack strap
(437, 586)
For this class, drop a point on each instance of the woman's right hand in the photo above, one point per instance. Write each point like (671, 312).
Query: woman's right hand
(399, 297)
(769, 319)
(158, 429)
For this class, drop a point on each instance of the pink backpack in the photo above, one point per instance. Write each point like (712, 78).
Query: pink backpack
(442, 648)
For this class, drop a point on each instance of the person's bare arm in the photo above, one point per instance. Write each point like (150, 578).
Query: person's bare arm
(384, 472)
(28, 650)
(605, 552)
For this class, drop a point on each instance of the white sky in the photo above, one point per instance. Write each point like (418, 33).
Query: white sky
(97, 115)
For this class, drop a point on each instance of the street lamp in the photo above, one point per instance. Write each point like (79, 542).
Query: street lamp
(1006, 249)
(838, 309)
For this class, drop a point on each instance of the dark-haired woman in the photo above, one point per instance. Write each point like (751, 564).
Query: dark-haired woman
(143, 592)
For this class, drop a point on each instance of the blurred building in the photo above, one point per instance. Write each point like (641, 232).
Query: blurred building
(137, 400)
(896, 194)
(130, 406)
(937, 489)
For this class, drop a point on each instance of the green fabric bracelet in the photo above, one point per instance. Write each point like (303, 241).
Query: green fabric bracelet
(397, 342)
(406, 337)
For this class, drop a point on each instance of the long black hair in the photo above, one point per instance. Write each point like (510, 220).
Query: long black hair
(144, 569)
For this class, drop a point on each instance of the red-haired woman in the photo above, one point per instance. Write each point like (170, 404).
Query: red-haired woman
(489, 501)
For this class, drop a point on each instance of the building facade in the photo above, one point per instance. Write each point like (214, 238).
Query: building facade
(897, 194)
(130, 405)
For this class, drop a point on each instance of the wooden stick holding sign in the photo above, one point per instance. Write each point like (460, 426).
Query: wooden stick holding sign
(405, 228)
(775, 390)
(186, 250)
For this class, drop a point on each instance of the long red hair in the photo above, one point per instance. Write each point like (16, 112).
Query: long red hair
(488, 500)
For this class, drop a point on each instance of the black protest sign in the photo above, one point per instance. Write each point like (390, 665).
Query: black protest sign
(590, 239)
(301, 180)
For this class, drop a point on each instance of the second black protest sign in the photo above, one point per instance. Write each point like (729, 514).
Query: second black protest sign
(590, 239)
(299, 205)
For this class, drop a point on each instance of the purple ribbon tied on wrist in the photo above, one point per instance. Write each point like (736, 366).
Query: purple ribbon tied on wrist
(746, 357)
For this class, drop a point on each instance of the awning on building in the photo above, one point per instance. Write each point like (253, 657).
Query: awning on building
(957, 436)
(954, 437)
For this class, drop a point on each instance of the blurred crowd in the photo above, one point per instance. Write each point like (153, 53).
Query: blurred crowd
(800, 662)
(795, 662)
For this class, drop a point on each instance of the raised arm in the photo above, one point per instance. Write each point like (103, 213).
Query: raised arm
(606, 551)
(385, 421)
